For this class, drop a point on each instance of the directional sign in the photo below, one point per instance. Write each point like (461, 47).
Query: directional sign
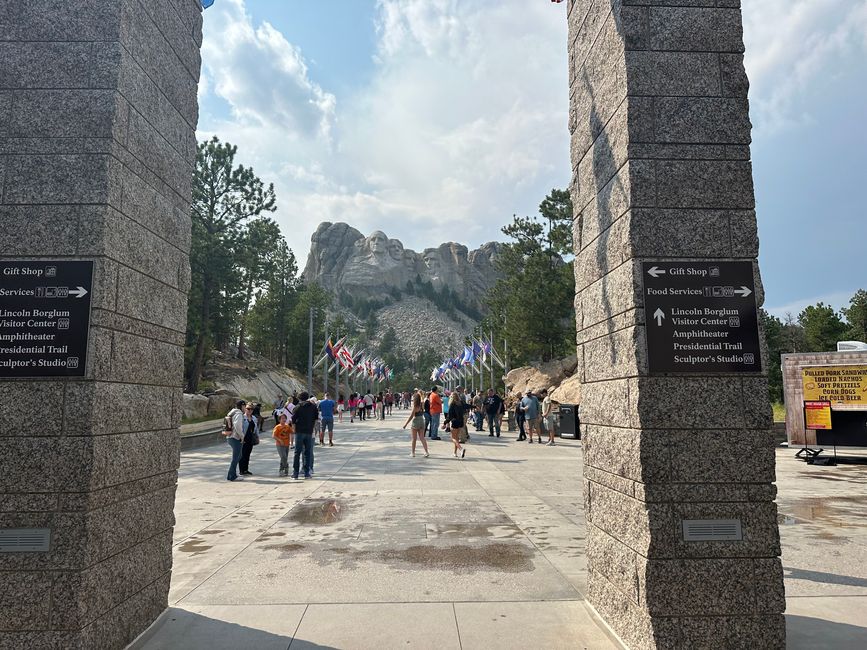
(701, 317)
(44, 317)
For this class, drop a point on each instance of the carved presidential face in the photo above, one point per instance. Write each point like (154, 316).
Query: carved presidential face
(395, 249)
(431, 260)
(377, 243)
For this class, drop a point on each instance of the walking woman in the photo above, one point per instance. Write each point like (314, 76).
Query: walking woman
(416, 416)
(251, 437)
(340, 407)
(520, 417)
(457, 421)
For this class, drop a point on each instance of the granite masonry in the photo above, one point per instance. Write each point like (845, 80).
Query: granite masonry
(660, 147)
(98, 112)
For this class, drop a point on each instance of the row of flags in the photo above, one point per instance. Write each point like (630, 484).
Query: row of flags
(465, 361)
(355, 363)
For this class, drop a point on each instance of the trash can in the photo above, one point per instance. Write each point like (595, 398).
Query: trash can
(570, 426)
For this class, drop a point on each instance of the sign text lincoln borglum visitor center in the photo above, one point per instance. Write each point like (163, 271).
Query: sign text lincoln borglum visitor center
(701, 317)
(44, 317)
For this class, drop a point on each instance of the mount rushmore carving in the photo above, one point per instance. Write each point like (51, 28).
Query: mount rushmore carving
(342, 259)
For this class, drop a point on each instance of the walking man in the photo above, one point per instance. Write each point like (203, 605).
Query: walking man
(326, 411)
(520, 418)
(494, 408)
(236, 438)
(304, 416)
(531, 412)
(436, 411)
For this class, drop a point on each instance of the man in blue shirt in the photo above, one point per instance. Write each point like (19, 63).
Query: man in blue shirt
(326, 410)
(530, 404)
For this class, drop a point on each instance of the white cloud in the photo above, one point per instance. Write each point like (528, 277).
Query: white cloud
(789, 45)
(462, 123)
(261, 75)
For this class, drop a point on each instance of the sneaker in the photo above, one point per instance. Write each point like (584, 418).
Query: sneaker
(426, 455)
(295, 476)
(412, 455)
(308, 476)
(490, 435)
(238, 478)
(246, 473)
(531, 441)
(330, 444)
(498, 435)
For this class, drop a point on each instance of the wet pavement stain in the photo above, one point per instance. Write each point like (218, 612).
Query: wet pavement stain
(462, 558)
(285, 548)
(194, 546)
(317, 512)
(264, 536)
(840, 511)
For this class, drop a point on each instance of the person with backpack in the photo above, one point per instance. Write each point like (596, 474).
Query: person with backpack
(456, 420)
(305, 415)
(494, 409)
(233, 429)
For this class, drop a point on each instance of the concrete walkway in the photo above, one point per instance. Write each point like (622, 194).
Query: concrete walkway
(382, 551)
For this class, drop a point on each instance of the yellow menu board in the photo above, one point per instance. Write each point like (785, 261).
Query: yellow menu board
(840, 385)
(817, 415)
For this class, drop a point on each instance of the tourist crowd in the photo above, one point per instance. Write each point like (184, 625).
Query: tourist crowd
(302, 419)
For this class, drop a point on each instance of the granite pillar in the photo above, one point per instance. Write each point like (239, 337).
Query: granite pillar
(98, 111)
(660, 141)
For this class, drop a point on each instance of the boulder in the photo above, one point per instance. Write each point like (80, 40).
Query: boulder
(219, 405)
(545, 375)
(194, 406)
(569, 391)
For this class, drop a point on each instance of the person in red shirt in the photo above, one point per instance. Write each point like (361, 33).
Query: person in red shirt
(436, 411)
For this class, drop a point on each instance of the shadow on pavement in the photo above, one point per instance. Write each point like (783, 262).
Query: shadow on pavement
(180, 628)
(826, 578)
(809, 633)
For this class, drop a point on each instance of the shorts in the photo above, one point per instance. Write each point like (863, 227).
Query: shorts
(533, 423)
(418, 422)
(548, 423)
(328, 425)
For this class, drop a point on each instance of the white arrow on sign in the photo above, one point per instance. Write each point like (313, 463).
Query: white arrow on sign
(655, 271)
(743, 291)
(78, 292)
(659, 315)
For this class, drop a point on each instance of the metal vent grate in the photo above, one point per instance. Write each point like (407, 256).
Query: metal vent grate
(24, 540)
(712, 530)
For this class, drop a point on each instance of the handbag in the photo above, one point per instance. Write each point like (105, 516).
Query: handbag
(255, 439)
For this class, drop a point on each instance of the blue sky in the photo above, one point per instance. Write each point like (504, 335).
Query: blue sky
(436, 120)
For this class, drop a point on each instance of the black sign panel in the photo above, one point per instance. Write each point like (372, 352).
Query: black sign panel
(701, 317)
(44, 317)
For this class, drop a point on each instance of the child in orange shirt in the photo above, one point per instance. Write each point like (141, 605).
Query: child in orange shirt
(283, 439)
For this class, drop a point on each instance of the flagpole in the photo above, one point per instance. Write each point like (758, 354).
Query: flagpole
(492, 354)
(310, 355)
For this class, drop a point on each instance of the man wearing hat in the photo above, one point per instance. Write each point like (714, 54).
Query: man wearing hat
(530, 404)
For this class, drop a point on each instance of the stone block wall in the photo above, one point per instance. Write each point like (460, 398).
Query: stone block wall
(660, 140)
(98, 111)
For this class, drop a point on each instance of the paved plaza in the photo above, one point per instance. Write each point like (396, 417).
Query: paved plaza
(381, 550)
